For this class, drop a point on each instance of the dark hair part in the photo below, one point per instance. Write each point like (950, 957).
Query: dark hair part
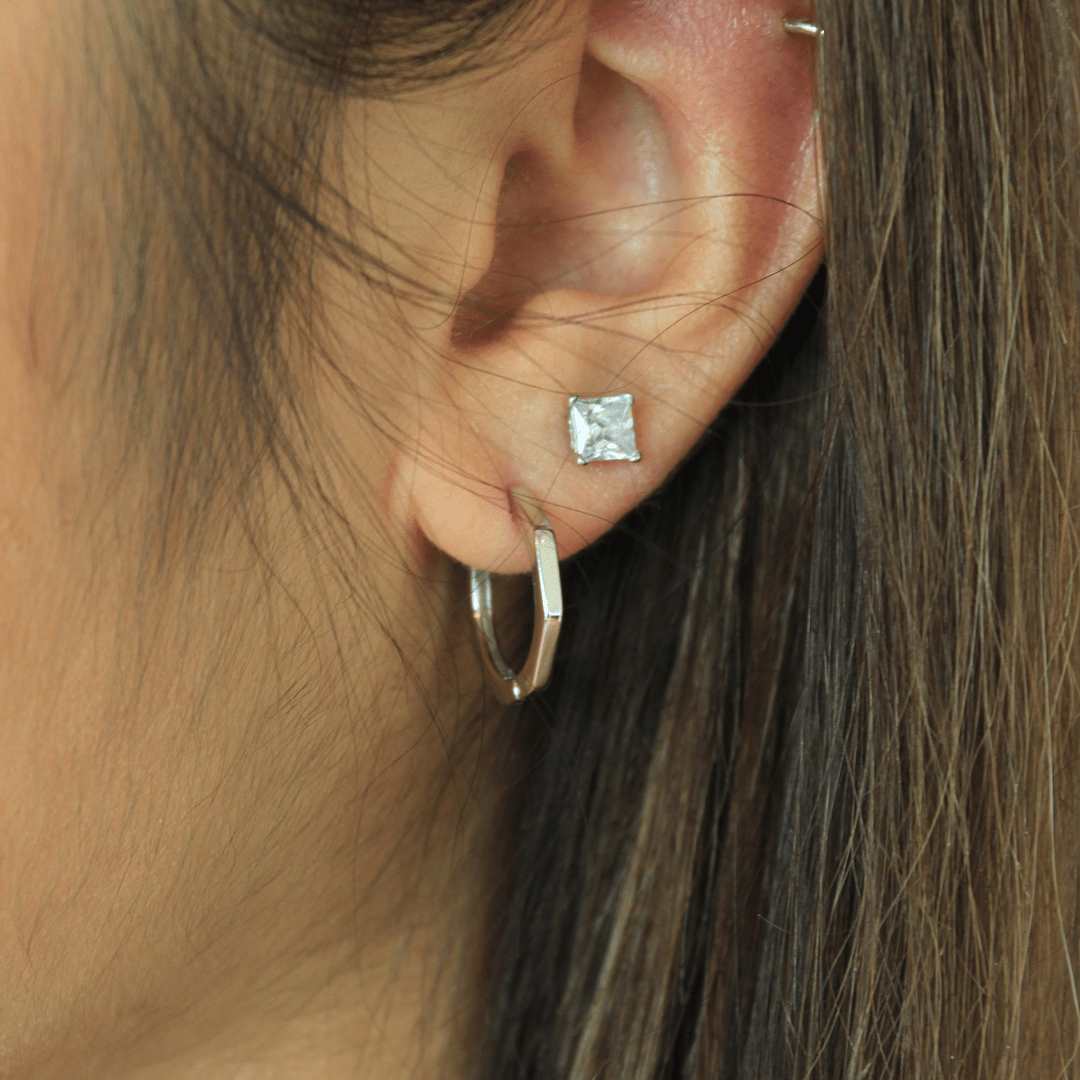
(794, 803)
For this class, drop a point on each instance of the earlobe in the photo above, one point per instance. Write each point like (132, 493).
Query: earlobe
(652, 222)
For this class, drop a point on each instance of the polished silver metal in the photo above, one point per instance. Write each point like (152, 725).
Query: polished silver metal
(803, 26)
(511, 687)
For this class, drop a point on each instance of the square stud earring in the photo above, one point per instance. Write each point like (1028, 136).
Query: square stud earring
(602, 428)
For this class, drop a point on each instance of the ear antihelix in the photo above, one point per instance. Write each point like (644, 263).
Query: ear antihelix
(603, 222)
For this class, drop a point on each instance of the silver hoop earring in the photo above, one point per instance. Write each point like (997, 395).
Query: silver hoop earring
(511, 687)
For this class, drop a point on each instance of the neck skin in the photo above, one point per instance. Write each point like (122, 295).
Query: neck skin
(368, 964)
(310, 903)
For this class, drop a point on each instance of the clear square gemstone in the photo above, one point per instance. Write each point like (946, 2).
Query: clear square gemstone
(602, 428)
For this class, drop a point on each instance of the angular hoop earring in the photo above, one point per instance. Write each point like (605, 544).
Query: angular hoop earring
(511, 687)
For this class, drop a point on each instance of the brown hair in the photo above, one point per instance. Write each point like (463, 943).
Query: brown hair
(799, 801)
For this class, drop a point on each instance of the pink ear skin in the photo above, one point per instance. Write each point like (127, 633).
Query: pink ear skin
(704, 64)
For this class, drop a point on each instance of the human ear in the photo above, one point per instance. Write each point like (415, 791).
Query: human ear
(630, 207)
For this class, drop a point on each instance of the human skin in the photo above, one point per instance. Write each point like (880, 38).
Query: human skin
(191, 835)
(242, 832)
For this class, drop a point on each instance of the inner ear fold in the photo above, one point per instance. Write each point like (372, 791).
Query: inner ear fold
(603, 219)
